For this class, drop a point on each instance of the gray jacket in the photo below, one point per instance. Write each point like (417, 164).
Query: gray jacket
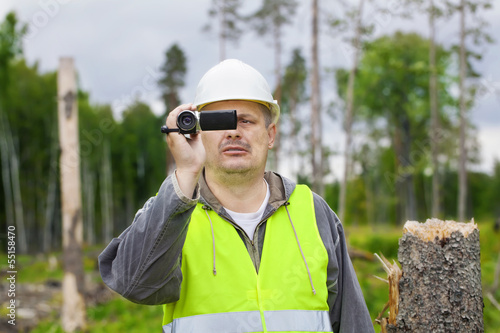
(144, 263)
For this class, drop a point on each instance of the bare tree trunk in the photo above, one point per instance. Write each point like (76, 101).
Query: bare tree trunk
(106, 195)
(7, 187)
(398, 181)
(88, 190)
(316, 144)
(433, 95)
(73, 309)
(440, 290)
(51, 194)
(462, 170)
(49, 213)
(277, 95)
(222, 31)
(293, 135)
(405, 191)
(406, 162)
(18, 201)
(15, 185)
(350, 111)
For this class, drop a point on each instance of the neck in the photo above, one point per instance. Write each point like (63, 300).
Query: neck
(242, 193)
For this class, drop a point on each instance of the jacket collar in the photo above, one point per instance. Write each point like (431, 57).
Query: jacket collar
(280, 188)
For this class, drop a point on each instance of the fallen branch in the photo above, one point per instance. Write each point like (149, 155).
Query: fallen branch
(360, 254)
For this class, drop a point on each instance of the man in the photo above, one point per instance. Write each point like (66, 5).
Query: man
(228, 247)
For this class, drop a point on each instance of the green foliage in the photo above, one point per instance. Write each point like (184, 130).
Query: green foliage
(331, 194)
(137, 152)
(395, 70)
(10, 47)
(484, 195)
(371, 198)
(382, 240)
(392, 111)
(31, 109)
(140, 153)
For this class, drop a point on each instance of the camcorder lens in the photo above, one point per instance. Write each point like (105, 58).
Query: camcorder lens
(187, 120)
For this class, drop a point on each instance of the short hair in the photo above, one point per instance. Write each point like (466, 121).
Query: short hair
(266, 111)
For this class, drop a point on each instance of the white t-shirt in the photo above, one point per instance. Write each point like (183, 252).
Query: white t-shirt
(249, 221)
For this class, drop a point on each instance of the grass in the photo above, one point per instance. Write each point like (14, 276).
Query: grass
(117, 315)
(38, 269)
(120, 315)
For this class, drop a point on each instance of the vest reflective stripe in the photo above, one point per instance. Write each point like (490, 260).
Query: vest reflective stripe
(282, 284)
(229, 322)
(249, 321)
(297, 320)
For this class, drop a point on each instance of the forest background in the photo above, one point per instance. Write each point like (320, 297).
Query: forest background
(368, 119)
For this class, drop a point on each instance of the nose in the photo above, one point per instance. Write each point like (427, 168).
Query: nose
(233, 134)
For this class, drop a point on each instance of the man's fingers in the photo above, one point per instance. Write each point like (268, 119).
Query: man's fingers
(172, 116)
(174, 139)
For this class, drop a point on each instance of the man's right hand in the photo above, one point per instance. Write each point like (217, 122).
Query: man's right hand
(189, 154)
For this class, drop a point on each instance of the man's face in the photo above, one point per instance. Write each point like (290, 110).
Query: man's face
(243, 149)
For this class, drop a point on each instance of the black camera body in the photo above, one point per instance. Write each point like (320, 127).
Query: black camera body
(191, 122)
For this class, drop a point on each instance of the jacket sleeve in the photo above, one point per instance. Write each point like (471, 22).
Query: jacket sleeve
(348, 311)
(143, 264)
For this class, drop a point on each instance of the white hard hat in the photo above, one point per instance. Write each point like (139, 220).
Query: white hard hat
(234, 80)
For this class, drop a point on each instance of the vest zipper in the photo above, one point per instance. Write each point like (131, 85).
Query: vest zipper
(206, 208)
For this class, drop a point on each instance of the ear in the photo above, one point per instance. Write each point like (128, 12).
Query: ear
(271, 132)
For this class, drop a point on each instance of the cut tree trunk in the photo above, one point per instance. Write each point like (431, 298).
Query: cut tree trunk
(440, 288)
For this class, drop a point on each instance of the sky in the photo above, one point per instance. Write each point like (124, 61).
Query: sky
(119, 45)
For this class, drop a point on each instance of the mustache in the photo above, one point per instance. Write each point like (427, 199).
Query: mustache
(240, 143)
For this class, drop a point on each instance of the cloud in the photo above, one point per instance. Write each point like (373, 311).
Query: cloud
(117, 43)
(489, 138)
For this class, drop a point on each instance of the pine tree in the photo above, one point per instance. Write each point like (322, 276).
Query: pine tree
(173, 79)
(229, 20)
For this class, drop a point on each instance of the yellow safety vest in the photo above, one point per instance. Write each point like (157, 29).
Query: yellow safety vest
(279, 298)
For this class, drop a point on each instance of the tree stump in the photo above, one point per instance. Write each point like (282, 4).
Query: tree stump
(440, 288)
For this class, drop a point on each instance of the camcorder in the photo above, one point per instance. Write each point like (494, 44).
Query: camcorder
(191, 122)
